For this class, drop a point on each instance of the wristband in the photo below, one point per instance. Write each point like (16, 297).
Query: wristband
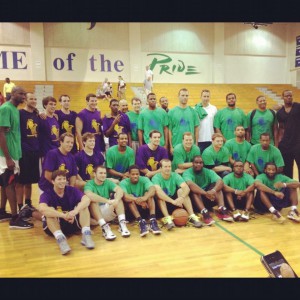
(235, 191)
(284, 184)
(214, 190)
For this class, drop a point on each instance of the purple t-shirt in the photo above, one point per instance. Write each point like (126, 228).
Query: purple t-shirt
(48, 135)
(67, 124)
(122, 127)
(149, 159)
(72, 196)
(55, 160)
(91, 122)
(87, 163)
(30, 126)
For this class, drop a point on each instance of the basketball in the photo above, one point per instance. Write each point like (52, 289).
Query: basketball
(180, 217)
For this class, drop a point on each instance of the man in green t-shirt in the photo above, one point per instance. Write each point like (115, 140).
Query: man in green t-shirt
(10, 154)
(262, 120)
(216, 156)
(206, 187)
(184, 153)
(139, 195)
(239, 148)
(228, 118)
(153, 118)
(106, 203)
(239, 191)
(119, 158)
(263, 153)
(172, 192)
(134, 118)
(276, 191)
(182, 118)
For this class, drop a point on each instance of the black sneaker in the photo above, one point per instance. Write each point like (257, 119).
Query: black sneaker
(143, 227)
(25, 212)
(18, 223)
(4, 216)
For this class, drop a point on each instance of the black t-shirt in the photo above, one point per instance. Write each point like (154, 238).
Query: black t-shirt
(291, 137)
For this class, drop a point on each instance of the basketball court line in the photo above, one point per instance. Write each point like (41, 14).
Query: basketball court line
(239, 239)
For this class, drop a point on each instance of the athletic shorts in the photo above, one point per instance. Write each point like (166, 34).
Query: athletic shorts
(66, 227)
(108, 212)
(278, 204)
(238, 204)
(29, 167)
(7, 178)
(3, 165)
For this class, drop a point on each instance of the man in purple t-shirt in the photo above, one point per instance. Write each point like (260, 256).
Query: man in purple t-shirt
(29, 163)
(89, 120)
(66, 118)
(86, 160)
(49, 127)
(65, 211)
(59, 159)
(116, 122)
(149, 156)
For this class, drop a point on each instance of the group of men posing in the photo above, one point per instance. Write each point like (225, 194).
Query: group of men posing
(158, 159)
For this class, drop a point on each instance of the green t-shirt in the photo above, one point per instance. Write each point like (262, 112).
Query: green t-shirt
(119, 161)
(182, 120)
(227, 119)
(133, 118)
(260, 157)
(238, 183)
(238, 151)
(169, 186)
(212, 158)
(202, 179)
(10, 117)
(263, 121)
(137, 190)
(102, 190)
(180, 156)
(263, 178)
(153, 120)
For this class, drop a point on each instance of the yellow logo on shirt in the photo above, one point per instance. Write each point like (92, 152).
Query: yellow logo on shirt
(152, 163)
(66, 126)
(32, 127)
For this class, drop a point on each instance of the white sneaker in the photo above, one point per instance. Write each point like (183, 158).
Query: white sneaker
(294, 215)
(107, 233)
(123, 229)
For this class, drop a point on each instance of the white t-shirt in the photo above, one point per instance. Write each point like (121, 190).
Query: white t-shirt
(206, 128)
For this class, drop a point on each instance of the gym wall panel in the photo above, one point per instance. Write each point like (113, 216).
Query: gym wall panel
(177, 37)
(76, 35)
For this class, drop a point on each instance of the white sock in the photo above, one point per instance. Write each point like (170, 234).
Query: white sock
(85, 228)
(293, 207)
(101, 222)
(121, 217)
(272, 209)
(58, 233)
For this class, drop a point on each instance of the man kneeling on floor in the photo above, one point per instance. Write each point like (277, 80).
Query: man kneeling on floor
(65, 211)
(276, 191)
(103, 208)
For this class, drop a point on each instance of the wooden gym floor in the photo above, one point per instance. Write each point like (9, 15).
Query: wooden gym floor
(222, 250)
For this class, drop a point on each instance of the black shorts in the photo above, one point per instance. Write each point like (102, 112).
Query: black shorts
(66, 227)
(7, 177)
(29, 167)
(238, 204)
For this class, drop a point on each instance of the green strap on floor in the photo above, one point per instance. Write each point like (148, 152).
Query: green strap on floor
(236, 237)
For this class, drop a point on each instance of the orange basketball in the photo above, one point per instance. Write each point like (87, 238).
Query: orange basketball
(180, 217)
